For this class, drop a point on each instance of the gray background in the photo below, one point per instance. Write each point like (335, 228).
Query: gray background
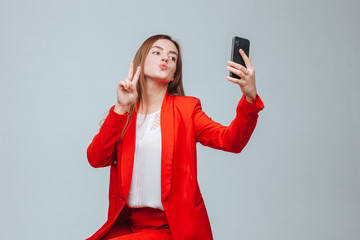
(298, 178)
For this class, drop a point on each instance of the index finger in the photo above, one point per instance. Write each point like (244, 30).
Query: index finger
(137, 74)
(246, 59)
(131, 71)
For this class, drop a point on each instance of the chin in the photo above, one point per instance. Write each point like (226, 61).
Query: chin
(159, 77)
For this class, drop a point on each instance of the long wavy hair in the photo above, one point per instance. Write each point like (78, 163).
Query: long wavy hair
(175, 87)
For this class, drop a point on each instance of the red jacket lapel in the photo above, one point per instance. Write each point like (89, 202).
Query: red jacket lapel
(167, 141)
(127, 153)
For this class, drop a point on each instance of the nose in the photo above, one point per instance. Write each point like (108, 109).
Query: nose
(165, 58)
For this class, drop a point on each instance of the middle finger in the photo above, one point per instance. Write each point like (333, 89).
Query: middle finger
(131, 70)
(237, 66)
(237, 71)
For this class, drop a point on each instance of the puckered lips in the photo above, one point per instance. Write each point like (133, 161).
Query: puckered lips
(163, 66)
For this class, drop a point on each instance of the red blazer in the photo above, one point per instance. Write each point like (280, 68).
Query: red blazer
(183, 124)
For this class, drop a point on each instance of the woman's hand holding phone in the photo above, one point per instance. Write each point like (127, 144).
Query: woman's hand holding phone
(247, 77)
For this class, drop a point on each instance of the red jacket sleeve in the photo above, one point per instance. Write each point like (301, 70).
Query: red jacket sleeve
(232, 138)
(101, 149)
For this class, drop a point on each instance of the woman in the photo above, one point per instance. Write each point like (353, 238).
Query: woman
(149, 141)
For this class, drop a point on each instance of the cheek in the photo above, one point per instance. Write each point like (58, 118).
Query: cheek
(173, 69)
(148, 64)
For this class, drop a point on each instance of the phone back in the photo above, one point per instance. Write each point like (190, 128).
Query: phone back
(237, 44)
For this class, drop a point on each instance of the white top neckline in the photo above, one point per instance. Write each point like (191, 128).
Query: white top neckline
(149, 114)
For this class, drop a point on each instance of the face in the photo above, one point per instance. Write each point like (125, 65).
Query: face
(160, 63)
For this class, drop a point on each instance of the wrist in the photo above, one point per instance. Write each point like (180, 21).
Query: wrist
(250, 99)
(121, 109)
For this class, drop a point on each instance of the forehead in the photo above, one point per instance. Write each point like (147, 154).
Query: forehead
(167, 45)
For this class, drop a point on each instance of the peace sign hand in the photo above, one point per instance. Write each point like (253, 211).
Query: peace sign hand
(247, 75)
(126, 91)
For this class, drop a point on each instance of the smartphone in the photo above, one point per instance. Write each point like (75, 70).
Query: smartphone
(237, 44)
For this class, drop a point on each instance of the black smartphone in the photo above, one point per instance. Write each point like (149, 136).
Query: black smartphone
(237, 44)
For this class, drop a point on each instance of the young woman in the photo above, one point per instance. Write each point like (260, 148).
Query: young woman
(149, 141)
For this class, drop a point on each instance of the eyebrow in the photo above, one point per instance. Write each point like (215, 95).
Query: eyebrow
(163, 49)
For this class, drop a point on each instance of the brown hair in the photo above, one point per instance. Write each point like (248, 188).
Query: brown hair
(175, 87)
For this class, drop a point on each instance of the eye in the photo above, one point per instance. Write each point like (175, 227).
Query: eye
(156, 53)
(172, 58)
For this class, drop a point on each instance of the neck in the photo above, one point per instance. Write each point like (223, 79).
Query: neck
(155, 94)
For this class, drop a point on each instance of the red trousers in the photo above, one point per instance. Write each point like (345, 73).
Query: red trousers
(140, 224)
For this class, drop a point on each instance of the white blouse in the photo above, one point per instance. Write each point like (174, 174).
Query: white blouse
(145, 188)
